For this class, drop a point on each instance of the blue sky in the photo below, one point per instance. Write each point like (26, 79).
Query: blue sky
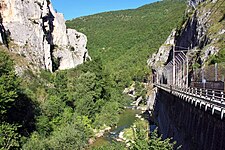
(76, 8)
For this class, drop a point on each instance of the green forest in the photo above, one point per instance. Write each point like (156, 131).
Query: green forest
(60, 110)
(124, 40)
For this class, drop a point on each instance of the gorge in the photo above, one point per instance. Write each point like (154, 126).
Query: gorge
(53, 95)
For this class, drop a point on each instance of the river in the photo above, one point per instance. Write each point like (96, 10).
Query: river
(127, 118)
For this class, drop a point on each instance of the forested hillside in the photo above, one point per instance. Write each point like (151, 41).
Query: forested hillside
(124, 39)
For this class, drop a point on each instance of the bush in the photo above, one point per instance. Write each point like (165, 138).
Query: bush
(142, 141)
(109, 115)
(69, 137)
(36, 142)
(9, 136)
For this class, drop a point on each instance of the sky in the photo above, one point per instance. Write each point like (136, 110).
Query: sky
(77, 8)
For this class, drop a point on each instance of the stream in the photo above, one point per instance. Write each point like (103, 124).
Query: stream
(127, 118)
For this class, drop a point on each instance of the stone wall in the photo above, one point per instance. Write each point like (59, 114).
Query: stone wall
(190, 126)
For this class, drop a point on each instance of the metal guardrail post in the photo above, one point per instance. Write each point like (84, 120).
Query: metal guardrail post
(187, 71)
(222, 96)
(213, 96)
(174, 67)
(200, 92)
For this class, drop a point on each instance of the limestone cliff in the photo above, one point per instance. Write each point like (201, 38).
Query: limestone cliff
(34, 30)
(158, 60)
(204, 29)
(202, 34)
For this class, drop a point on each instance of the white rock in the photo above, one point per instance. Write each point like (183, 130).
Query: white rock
(38, 31)
(211, 50)
(222, 31)
(157, 60)
(121, 135)
(138, 101)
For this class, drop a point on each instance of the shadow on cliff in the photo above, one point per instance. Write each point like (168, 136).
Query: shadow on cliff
(3, 33)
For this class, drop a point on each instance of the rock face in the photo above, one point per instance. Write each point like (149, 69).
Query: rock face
(202, 34)
(158, 59)
(202, 29)
(33, 29)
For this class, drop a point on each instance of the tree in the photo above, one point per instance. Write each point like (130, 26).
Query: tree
(53, 106)
(69, 137)
(142, 141)
(9, 83)
(111, 146)
(157, 143)
(89, 94)
(6, 64)
(109, 115)
(36, 142)
(9, 138)
(140, 133)
(8, 91)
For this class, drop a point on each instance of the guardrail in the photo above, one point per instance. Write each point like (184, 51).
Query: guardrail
(209, 99)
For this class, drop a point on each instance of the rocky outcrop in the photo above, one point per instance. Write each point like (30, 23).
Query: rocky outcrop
(37, 32)
(202, 30)
(151, 99)
(202, 34)
(194, 3)
(158, 60)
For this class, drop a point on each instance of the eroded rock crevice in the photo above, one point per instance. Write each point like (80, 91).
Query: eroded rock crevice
(3, 33)
(188, 37)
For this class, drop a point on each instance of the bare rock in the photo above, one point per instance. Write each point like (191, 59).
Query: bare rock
(39, 33)
(138, 101)
(201, 34)
(91, 141)
(151, 99)
(158, 59)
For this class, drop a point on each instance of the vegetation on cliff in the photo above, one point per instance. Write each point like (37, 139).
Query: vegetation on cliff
(216, 29)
